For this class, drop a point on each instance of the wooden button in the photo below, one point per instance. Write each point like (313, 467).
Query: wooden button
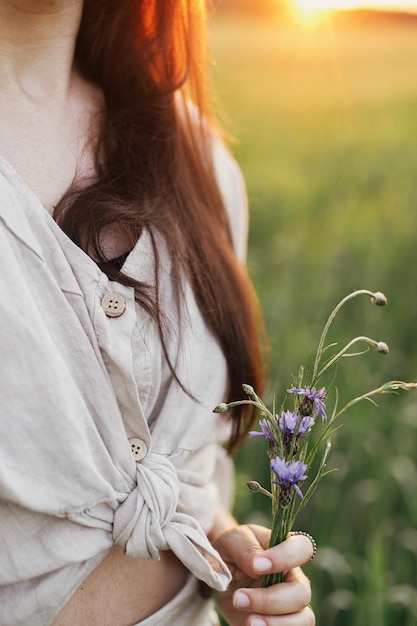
(113, 304)
(139, 448)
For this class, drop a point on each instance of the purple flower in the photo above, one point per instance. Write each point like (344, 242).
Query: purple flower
(289, 474)
(265, 431)
(313, 399)
(288, 424)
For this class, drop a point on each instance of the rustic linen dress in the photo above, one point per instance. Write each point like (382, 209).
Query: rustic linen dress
(98, 444)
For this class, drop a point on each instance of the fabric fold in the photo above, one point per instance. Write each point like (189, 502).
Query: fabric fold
(147, 522)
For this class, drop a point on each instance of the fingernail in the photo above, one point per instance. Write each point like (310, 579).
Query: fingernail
(262, 564)
(241, 600)
(258, 622)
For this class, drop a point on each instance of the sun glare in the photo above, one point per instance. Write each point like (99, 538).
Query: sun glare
(310, 12)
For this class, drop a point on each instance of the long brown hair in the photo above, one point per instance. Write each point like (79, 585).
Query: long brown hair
(154, 169)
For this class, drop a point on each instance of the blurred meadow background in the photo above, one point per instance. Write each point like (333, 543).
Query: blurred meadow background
(325, 119)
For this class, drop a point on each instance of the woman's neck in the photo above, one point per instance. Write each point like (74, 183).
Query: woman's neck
(48, 112)
(37, 39)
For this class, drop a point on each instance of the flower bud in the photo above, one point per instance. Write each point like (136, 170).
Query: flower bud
(221, 408)
(379, 299)
(285, 496)
(248, 389)
(382, 347)
(253, 485)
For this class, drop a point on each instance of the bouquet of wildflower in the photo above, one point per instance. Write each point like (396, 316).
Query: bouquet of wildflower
(295, 455)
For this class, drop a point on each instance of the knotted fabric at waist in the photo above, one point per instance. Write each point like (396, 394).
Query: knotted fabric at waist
(147, 521)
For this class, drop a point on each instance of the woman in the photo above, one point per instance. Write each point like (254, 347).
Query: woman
(126, 317)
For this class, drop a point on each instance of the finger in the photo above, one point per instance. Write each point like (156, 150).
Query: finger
(291, 553)
(304, 618)
(296, 575)
(282, 599)
(241, 546)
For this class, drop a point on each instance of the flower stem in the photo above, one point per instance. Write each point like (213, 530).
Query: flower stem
(279, 533)
(329, 322)
(390, 387)
(342, 352)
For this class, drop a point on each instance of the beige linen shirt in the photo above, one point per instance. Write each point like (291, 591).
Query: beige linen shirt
(98, 444)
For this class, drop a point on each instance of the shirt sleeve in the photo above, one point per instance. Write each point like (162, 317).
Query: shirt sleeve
(233, 190)
(229, 179)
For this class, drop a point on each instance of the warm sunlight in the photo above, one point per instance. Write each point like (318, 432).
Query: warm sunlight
(309, 12)
(312, 6)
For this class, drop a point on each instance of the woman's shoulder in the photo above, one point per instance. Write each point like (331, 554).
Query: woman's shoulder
(233, 191)
(228, 174)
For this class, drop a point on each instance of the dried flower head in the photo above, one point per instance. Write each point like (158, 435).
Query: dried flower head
(254, 486)
(379, 299)
(221, 408)
(382, 347)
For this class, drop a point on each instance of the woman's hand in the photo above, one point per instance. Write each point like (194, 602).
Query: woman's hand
(245, 603)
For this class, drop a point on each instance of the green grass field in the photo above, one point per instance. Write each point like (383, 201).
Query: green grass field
(326, 123)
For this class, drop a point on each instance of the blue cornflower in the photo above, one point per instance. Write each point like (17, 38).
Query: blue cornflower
(289, 474)
(288, 424)
(265, 431)
(312, 399)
